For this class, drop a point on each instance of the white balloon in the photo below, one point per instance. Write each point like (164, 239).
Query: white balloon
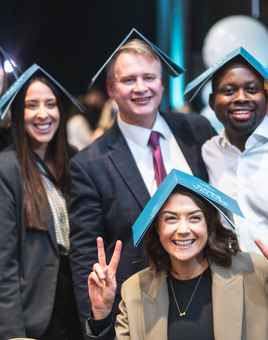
(232, 32)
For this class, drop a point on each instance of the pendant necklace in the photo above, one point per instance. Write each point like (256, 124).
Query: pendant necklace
(180, 312)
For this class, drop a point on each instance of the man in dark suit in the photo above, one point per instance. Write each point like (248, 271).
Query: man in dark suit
(114, 178)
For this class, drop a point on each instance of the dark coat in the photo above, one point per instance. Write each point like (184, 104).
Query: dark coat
(29, 261)
(108, 193)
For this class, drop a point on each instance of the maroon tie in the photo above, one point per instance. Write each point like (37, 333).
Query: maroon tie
(159, 168)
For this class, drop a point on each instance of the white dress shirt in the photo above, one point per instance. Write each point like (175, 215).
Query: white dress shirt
(243, 176)
(137, 138)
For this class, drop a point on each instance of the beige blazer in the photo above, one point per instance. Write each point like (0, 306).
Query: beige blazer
(239, 299)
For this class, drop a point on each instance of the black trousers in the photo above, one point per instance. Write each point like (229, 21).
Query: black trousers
(64, 323)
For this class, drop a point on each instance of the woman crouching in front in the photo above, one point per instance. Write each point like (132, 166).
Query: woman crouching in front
(198, 285)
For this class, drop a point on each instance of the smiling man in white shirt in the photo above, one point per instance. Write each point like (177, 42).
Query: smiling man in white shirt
(237, 159)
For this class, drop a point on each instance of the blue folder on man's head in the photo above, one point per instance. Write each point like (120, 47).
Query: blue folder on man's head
(218, 199)
(172, 68)
(197, 84)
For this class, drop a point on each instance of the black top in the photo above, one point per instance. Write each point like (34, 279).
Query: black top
(198, 321)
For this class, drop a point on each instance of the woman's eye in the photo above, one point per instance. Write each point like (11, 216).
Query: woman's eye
(51, 105)
(31, 106)
(195, 218)
(170, 219)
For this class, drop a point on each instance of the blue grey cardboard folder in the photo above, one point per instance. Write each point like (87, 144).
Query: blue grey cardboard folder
(10, 94)
(172, 68)
(196, 84)
(215, 197)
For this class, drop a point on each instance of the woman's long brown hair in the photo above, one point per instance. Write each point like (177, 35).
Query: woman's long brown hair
(35, 201)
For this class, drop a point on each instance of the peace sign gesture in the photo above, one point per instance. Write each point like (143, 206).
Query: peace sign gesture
(102, 281)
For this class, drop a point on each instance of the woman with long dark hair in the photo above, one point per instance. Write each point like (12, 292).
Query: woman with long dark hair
(199, 285)
(36, 296)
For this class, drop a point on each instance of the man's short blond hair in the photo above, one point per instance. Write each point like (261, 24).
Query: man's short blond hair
(134, 46)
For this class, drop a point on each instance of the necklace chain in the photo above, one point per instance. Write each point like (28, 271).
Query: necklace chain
(183, 313)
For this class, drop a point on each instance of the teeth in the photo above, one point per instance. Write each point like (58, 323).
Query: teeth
(241, 112)
(43, 127)
(241, 115)
(183, 243)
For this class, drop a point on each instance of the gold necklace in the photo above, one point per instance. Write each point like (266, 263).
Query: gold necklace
(183, 313)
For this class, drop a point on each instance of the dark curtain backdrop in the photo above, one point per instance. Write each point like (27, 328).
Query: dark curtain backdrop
(73, 38)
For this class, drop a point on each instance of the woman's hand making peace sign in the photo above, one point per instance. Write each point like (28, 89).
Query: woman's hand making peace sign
(102, 281)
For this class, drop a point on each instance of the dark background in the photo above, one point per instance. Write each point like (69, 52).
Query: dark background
(71, 39)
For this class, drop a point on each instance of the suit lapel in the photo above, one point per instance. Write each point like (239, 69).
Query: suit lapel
(155, 308)
(125, 164)
(228, 300)
(187, 143)
(52, 232)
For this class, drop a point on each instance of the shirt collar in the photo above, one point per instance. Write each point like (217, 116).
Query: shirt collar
(262, 129)
(223, 139)
(225, 144)
(140, 135)
(260, 135)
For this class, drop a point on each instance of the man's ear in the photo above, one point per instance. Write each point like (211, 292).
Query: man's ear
(266, 94)
(163, 89)
(211, 101)
(110, 88)
(266, 89)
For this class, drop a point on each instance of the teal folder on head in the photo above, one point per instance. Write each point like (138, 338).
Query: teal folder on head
(215, 197)
(10, 94)
(172, 68)
(196, 85)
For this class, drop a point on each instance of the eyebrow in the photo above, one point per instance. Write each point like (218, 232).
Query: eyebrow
(37, 100)
(132, 75)
(250, 82)
(175, 214)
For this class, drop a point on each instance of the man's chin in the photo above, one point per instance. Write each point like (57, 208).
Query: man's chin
(145, 111)
(243, 123)
(244, 129)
